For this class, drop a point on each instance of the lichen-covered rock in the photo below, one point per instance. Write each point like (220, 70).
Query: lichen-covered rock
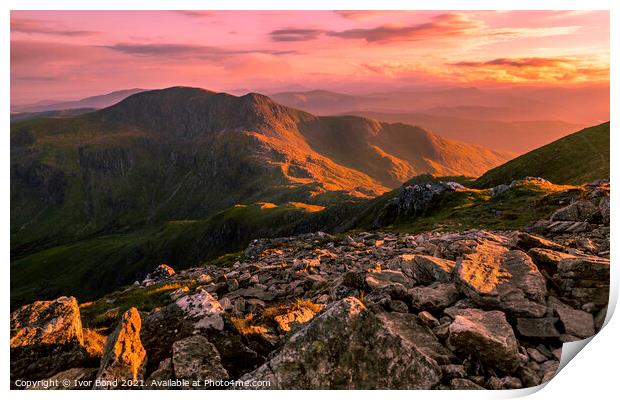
(581, 211)
(539, 328)
(508, 280)
(526, 241)
(202, 308)
(380, 279)
(423, 269)
(435, 297)
(487, 336)
(348, 347)
(71, 379)
(584, 280)
(46, 338)
(124, 357)
(195, 358)
(575, 322)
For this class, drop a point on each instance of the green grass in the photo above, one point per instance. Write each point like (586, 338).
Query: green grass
(575, 159)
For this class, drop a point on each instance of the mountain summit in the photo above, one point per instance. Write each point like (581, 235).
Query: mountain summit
(186, 153)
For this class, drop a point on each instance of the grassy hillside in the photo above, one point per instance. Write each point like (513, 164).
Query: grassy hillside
(575, 159)
(92, 267)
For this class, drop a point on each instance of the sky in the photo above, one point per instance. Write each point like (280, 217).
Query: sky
(62, 55)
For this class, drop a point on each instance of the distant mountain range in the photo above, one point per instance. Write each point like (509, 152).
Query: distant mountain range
(518, 120)
(93, 102)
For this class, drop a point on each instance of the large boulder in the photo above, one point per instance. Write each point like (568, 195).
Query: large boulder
(487, 336)
(195, 358)
(423, 269)
(348, 347)
(581, 211)
(495, 277)
(124, 357)
(435, 297)
(584, 280)
(575, 322)
(202, 308)
(46, 338)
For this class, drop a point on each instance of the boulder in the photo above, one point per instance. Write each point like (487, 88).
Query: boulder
(435, 297)
(583, 280)
(496, 277)
(160, 329)
(540, 328)
(381, 279)
(46, 338)
(581, 211)
(487, 336)
(124, 357)
(202, 308)
(348, 347)
(526, 241)
(423, 269)
(604, 208)
(575, 322)
(71, 379)
(195, 358)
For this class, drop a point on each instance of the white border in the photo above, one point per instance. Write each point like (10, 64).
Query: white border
(592, 374)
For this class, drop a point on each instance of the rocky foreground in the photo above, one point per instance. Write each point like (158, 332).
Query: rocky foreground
(464, 310)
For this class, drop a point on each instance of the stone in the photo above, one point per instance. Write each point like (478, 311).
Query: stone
(124, 357)
(46, 338)
(487, 336)
(423, 269)
(348, 347)
(464, 384)
(584, 280)
(495, 277)
(195, 358)
(428, 319)
(604, 208)
(507, 382)
(526, 241)
(71, 379)
(575, 322)
(203, 308)
(435, 297)
(162, 271)
(452, 371)
(536, 355)
(581, 211)
(160, 329)
(537, 327)
(161, 374)
(381, 279)
(398, 306)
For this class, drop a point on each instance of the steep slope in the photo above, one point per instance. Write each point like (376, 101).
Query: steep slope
(393, 153)
(178, 153)
(516, 136)
(575, 159)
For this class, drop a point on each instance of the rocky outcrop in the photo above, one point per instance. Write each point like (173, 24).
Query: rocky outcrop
(487, 336)
(333, 352)
(496, 277)
(473, 309)
(46, 338)
(584, 280)
(124, 357)
(195, 358)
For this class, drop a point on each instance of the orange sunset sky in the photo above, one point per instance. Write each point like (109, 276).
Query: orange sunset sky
(72, 54)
